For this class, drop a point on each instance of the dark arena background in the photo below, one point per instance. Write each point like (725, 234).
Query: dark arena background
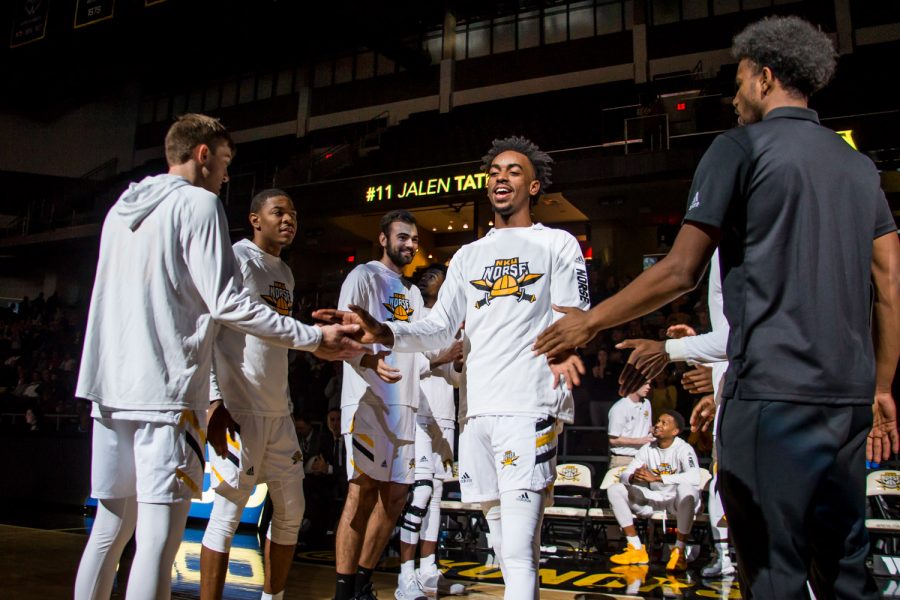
(357, 108)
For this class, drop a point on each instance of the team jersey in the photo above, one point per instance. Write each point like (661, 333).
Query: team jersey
(675, 464)
(387, 296)
(437, 389)
(165, 282)
(249, 374)
(503, 286)
(631, 420)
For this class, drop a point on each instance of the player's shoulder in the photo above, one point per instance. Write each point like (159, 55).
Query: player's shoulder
(245, 250)
(198, 201)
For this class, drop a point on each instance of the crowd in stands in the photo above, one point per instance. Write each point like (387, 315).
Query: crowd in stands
(40, 346)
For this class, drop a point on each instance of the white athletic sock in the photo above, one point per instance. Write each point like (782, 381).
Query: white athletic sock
(267, 596)
(408, 568)
(722, 549)
(634, 541)
(427, 562)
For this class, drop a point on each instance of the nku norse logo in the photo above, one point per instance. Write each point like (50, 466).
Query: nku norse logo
(278, 298)
(509, 459)
(398, 306)
(506, 277)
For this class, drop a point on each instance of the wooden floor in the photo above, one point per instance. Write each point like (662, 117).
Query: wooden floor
(41, 564)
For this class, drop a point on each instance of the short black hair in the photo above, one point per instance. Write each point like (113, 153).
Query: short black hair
(436, 267)
(676, 416)
(801, 56)
(395, 215)
(539, 159)
(259, 200)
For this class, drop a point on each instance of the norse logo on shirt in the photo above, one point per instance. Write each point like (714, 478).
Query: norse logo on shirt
(506, 277)
(664, 469)
(399, 307)
(279, 298)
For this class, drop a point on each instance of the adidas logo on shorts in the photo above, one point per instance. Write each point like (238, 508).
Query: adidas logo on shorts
(524, 498)
(384, 464)
(465, 479)
(250, 471)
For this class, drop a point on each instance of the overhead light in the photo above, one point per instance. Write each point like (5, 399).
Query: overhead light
(465, 225)
(490, 223)
(429, 256)
(449, 226)
(434, 228)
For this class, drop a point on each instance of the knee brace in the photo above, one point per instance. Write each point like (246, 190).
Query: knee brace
(288, 506)
(415, 511)
(432, 520)
(224, 520)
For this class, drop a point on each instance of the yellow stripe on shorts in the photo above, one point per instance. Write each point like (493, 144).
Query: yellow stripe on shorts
(187, 480)
(545, 439)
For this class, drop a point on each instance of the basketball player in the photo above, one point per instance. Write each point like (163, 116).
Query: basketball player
(165, 280)
(664, 475)
(379, 397)
(504, 287)
(435, 425)
(250, 404)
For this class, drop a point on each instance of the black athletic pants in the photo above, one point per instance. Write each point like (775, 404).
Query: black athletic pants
(792, 479)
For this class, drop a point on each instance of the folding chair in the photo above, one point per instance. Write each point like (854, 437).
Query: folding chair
(573, 497)
(883, 493)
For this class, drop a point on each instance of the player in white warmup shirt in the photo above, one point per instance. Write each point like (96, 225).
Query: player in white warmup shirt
(435, 426)
(664, 475)
(249, 400)
(165, 281)
(504, 287)
(379, 398)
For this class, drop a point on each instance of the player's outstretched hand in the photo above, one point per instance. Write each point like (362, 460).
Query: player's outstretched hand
(883, 439)
(220, 425)
(679, 331)
(566, 334)
(698, 380)
(372, 331)
(338, 343)
(703, 414)
(567, 365)
(647, 360)
(385, 372)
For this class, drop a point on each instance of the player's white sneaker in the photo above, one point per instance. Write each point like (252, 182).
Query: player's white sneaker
(433, 581)
(408, 588)
(721, 566)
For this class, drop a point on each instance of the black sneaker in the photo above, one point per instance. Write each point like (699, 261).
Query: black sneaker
(365, 593)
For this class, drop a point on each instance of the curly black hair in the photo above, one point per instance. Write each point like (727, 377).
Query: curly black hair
(801, 56)
(540, 160)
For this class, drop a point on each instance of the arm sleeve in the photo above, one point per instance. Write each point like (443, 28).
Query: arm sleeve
(438, 329)
(210, 262)
(640, 459)
(706, 348)
(569, 286)
(690, 471)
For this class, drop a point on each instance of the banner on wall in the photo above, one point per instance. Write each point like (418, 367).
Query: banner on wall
(29, 21)
(88, 12)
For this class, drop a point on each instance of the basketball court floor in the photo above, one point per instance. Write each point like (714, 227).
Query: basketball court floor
(39, 554)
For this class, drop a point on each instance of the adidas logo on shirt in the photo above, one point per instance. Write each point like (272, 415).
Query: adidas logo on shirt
(524, 498)
(250, 471)
(465, 479)
(695, 203)
(384, 464)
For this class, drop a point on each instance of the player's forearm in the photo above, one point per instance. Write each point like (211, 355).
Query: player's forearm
(705, 349)
(690, 477)
(886, 313)
(625, 442)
